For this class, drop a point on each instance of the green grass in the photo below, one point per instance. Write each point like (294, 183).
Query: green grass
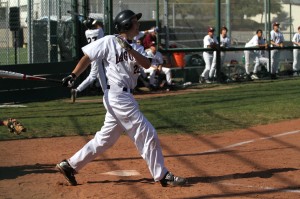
(7, 56)
(203, 112)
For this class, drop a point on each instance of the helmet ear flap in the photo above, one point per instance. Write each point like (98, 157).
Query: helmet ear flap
(127, 25)
(88, 23)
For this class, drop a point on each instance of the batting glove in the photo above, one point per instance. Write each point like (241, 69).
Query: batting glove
(69, 80)
(123, 43)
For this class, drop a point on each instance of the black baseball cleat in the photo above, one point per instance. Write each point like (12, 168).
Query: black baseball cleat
(172, 180)
(68, 172)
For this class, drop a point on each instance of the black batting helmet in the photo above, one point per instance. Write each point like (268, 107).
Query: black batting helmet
(88, 23)
(123, 20)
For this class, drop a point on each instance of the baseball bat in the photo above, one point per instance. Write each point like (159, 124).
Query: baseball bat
(14, 75)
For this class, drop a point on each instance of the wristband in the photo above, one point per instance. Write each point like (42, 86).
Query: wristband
(129, 48)
(73, 75)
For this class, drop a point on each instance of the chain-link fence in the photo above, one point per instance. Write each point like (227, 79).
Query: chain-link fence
(185, 24)
(48, 33)
(42, 31)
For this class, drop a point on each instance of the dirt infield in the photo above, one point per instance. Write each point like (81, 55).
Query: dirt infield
(259, 162)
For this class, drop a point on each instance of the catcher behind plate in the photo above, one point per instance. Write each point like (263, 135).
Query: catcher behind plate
(13, 125)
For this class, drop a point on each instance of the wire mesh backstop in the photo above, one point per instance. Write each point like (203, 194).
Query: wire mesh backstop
(48, 33)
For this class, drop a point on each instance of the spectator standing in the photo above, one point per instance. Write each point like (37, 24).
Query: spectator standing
(296, 42)
(209, 57)
(224, 43)
(277, 40)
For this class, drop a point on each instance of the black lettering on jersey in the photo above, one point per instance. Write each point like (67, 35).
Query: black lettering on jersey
(126, 56)
(91, 39)
(123, 57)
(119, 58)
(136, 69)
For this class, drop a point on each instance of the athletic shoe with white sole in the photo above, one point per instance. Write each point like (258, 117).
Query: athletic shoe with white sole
(67, 171)
(202, 80)
(254, 76)
(172, 180)
(73, 95)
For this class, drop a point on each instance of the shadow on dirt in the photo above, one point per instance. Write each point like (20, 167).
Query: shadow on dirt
(254, 193)
(13, 172)
(253, 174)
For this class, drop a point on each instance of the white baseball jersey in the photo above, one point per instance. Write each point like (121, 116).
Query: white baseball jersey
(97, 71)
(276, 37)
(255, 42)
(157, 58)
(224, 41)
(141, 34)
(207, 41)
(296, 38)
(93, 35)
(114, 58)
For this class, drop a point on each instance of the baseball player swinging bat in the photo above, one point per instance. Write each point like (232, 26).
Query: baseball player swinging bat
(14, 75)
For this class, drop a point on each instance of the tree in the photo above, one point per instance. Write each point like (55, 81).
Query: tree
(283, 18)
(242, 8)
(239, 8)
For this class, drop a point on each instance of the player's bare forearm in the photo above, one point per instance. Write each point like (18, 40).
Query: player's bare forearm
(273, 43)
(141, 60)
(82, 65)
(296, 43)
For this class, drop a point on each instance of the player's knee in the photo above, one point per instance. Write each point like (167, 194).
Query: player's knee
(153, 143)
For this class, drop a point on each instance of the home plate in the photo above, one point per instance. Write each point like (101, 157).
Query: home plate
(123, 173)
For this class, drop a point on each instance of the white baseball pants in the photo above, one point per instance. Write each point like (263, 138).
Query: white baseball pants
(248, 55)
(260, 60)
(208, 58)
(295, 60)
(212, 72)
(123, 114)
(152, 73)
(275, 55)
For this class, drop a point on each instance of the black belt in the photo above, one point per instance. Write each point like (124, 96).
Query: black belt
(124, 89)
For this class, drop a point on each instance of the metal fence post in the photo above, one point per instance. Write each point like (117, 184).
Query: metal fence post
(218, 52)
(75, 52)
(29, 25)
(166, 22)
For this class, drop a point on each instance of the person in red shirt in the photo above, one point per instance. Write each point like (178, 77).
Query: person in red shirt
(149, 39)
